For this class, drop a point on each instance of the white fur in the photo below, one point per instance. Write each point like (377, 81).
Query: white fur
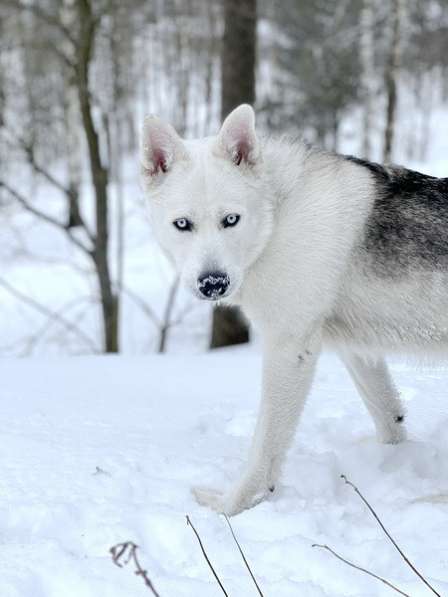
(292, 265)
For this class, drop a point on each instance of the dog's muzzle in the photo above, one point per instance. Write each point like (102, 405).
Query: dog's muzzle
(213, 285)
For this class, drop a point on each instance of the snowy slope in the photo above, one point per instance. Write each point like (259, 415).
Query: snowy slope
(156, 425)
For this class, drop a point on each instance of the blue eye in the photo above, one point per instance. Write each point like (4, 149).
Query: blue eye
(230, 220)
(183, 224)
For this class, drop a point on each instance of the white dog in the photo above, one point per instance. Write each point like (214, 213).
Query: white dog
(316, 248)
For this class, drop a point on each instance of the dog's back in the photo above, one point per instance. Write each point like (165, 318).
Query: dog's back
(395, 293)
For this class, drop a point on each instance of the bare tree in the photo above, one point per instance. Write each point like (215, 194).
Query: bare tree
(238, 61)
(88, 23)
(76, 56)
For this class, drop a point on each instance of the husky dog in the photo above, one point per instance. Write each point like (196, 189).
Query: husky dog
(317, 249)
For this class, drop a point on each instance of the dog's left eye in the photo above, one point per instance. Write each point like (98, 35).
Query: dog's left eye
(230, 220)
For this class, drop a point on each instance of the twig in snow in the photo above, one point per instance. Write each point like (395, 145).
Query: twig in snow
(123, 553)
(388, 535)
(243, 556)
(383, 580)
(189, 523)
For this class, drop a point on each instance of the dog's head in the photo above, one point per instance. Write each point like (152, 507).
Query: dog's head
(208, 204)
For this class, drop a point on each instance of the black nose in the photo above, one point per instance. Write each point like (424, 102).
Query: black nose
(213, 284)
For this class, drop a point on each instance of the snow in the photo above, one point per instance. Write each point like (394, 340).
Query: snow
(99, 450)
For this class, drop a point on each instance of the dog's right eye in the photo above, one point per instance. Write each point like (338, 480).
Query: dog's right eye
(183, 224)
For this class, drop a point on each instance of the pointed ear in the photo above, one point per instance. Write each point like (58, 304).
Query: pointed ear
(161, 147)
(237, 136)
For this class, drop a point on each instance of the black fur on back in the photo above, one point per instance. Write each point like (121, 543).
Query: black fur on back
(408, 226)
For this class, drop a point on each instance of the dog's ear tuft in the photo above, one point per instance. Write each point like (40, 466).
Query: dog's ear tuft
(161, 146)
(238, 137)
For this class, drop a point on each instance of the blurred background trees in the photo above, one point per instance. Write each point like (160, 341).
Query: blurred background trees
(78, 268)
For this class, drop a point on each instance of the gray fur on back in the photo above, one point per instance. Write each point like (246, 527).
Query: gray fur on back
(408, 226)
(395, 294)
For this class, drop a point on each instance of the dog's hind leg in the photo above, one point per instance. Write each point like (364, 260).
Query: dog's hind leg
(373, 381)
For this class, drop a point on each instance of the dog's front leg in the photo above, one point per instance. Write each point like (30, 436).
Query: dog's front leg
(287, 374)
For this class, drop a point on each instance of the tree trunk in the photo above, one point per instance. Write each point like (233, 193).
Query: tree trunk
(228, 328)
(71, 114)
(391, 78)
(238, 58)
(368, 75)
(71, 123)
(99, 173)
(238, 54)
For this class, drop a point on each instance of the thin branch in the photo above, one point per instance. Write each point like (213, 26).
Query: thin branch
(45, 217)
(39, 45)
(383, 580)
(43, 172)
(24, 203)
(43, 16)
(189, 523)
(129, 549)
(38, 334)
(29, 151)
(391, 539)
(55, 49)
(68, 325)
(39, 169)
(242, 555)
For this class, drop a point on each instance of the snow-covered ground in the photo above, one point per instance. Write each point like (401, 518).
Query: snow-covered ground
(99, 450)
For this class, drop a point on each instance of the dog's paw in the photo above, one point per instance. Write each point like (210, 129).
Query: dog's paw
(219, 501)
(210, 498)
(232, 502)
